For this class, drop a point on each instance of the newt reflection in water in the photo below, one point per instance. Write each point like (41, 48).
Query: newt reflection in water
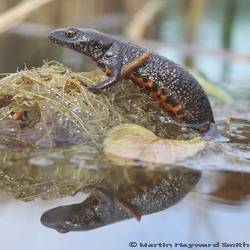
(148, 194)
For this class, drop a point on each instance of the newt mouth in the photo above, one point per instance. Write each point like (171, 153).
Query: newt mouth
(56, 41)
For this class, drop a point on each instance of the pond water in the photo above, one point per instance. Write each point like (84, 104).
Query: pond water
(208, 197)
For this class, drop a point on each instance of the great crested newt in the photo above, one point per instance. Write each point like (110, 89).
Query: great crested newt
(105, 206)
(174, 88)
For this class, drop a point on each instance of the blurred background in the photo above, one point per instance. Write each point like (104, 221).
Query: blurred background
(208, 35)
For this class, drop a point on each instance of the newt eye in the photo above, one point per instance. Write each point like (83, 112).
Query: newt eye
(62, 229)
(70, 33)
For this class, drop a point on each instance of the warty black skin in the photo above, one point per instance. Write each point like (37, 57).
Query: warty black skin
(177, 91)
(104, 207)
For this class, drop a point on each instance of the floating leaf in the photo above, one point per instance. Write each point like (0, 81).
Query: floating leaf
(134, 142)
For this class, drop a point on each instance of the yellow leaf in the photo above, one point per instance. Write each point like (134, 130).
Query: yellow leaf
(131, 141)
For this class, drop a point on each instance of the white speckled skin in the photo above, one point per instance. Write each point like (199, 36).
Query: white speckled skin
(177, 91)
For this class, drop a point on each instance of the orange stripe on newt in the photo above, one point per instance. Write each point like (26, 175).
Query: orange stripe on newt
(140, 80)
(157, 96)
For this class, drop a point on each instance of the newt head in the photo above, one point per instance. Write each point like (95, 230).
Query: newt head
(75, 217)
(86, 41)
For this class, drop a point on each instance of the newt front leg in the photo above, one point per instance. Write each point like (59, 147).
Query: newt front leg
(115, 77)
(118, 74)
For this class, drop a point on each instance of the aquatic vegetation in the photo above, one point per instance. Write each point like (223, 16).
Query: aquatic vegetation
(55, 136)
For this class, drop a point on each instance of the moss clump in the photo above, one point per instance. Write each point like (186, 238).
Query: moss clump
(50, 107)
